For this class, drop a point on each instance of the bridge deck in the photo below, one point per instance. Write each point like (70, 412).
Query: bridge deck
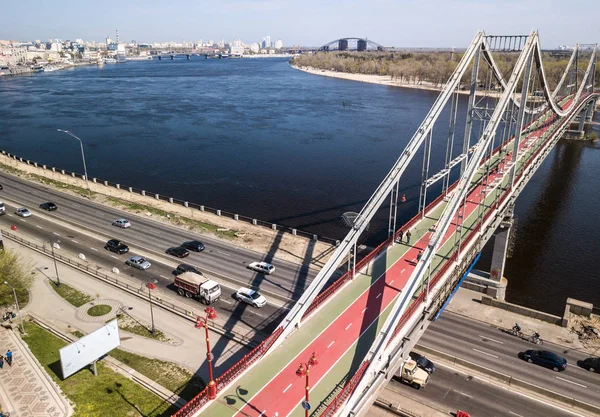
(345, 327)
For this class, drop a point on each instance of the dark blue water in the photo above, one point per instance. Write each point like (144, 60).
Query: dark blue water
(261, 139)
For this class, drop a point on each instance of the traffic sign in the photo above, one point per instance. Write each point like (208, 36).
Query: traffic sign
(306, 405)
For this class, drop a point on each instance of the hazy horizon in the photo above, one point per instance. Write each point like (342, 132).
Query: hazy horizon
(435, 24)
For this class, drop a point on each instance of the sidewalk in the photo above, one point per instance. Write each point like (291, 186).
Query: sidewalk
(25, 389)
(187, 346)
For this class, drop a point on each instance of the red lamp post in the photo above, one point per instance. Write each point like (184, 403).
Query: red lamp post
(304, 370)
(211, 314)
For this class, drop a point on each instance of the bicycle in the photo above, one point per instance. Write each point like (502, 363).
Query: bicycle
(535, 338)
(516, 331)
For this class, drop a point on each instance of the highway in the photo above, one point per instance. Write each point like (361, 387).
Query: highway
(493, 348)
(220, 259)
(450, 390)
(73, 242)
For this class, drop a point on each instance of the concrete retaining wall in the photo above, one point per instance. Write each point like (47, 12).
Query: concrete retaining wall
(524, 311)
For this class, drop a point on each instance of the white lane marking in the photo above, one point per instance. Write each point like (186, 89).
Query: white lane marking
(462, 393)
(515, 414)
(226, 302)
(113, 256)
(162, 276)
(94, 249)
(288, 387)
(348, 326)
(392, 281)
(365, 309)
(491, 340)
(23, 220)
(403, 271)
(331, 344)
(485, 353)
(39, 227)
(571, 382)
(223, 253)
(56, 233)
(378, 295)
(10, 214)
(74, 241)
(263, 413)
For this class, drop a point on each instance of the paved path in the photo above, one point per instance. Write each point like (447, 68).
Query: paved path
(25, 388)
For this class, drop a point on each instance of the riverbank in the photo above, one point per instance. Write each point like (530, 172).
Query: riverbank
(372, 79)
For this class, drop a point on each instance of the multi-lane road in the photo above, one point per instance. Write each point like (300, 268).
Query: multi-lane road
(84, 227)
(493, 348)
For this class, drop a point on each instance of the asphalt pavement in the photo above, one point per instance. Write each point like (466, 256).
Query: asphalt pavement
(220, 257)
(450, 390)
(74, 242)
(494, 348)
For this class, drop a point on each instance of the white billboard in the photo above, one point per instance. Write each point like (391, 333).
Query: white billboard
(89, 348)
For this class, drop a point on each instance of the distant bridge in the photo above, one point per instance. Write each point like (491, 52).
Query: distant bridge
(352, 44)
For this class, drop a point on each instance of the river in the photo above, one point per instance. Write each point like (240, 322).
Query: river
(261, 139)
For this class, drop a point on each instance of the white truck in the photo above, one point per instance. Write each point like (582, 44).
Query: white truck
(410, 373)
(192, 285)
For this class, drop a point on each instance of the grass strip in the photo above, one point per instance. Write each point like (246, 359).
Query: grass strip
(99, 310)
(108, 394)
(73, 296)
(131, 325)
(170, 375)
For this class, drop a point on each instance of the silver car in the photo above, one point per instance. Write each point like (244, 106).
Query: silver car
(138, 262)
(22, 212)
(122, 223)
(250, 296)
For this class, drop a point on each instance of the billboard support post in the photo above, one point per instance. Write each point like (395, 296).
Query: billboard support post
(94, 368)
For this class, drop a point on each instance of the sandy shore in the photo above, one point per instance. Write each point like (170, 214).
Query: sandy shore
(373, 79)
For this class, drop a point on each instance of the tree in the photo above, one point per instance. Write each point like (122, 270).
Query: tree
(18, 274)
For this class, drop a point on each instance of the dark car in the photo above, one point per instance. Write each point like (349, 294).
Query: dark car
(591, 364)
(546, 359)
(181, 268)
(1, 187)
(116, 246)
(194, 246)
(422, 362)
(178, 251)
(48, 206)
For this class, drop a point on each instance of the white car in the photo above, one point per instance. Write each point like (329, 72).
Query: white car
(138, 262)
(22, 212)
(263, 267)
(122, 223)
(249, 296)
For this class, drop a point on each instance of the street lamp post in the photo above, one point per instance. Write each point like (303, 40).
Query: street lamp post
(211, 314)
(54, 259)
(82, 156)
(151, 286)
(304, 370)
(17, 303)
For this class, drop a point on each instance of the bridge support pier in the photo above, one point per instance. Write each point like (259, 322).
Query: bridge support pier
(494, 283)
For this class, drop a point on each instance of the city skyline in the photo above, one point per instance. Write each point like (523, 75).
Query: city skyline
(443, 24)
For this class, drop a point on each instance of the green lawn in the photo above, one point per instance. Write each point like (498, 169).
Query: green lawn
(99, 310)
(171, 376)
(73, 296)
(131, 325)
(108, 394)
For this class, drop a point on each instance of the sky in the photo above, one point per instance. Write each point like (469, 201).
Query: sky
(400, 23)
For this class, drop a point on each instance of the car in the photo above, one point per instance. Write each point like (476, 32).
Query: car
(591, 364)
(546, 359)
(48, 206)
(263, 267)
(1, 187)
(138, 262)
(178, 251)
(116, 246)
(193, 245)
(181, 268)
(250, 296)
(422, 362)
(22, 212)
(122, 223)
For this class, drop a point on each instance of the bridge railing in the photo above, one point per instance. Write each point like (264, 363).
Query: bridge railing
(236, 370)
(345, 392)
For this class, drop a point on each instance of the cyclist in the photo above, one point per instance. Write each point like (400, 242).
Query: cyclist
(517, 328)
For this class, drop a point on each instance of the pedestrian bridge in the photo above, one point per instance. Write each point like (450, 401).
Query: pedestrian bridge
(340, 345)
